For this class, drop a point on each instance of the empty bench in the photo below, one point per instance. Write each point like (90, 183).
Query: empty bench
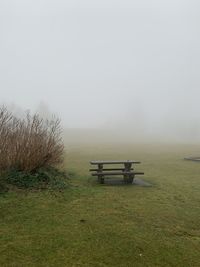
(127, 171)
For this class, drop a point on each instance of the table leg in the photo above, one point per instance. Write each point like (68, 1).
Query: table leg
(127, 177)
(100, 176)
(131, 178)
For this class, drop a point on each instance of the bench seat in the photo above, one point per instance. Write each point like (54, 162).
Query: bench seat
(116, 173)
(110, 169)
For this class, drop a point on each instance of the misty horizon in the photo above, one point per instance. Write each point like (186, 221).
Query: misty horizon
(130, 67)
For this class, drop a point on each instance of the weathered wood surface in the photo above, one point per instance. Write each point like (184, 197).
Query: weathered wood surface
(117, 173)
(97, 162)
(110, 169)
(127, 171)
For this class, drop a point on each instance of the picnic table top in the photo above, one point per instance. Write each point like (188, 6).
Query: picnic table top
(97, 162)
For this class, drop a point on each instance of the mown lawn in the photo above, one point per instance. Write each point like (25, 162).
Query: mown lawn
(98, 225)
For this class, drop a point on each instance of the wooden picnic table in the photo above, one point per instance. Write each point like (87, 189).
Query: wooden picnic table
(127, 171)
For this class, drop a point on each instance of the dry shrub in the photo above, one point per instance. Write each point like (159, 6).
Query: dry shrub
(30, 143)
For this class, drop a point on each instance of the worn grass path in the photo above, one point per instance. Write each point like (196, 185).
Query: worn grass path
(95, 225)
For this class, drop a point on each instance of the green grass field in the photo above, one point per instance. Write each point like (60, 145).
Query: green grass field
(95, 225)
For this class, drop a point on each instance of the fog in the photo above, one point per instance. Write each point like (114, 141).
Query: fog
(125, 67)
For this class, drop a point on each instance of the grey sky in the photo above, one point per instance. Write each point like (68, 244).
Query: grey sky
(103, 62)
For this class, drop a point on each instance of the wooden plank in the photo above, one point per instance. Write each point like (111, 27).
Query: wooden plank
(97, 162)
(110, 169)
(117, 173)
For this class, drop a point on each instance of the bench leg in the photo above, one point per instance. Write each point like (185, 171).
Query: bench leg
(128, 179)
(100, 176)
(101, 179)
(131, 178)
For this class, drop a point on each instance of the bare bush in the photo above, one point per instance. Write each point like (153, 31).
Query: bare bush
(30, 143)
